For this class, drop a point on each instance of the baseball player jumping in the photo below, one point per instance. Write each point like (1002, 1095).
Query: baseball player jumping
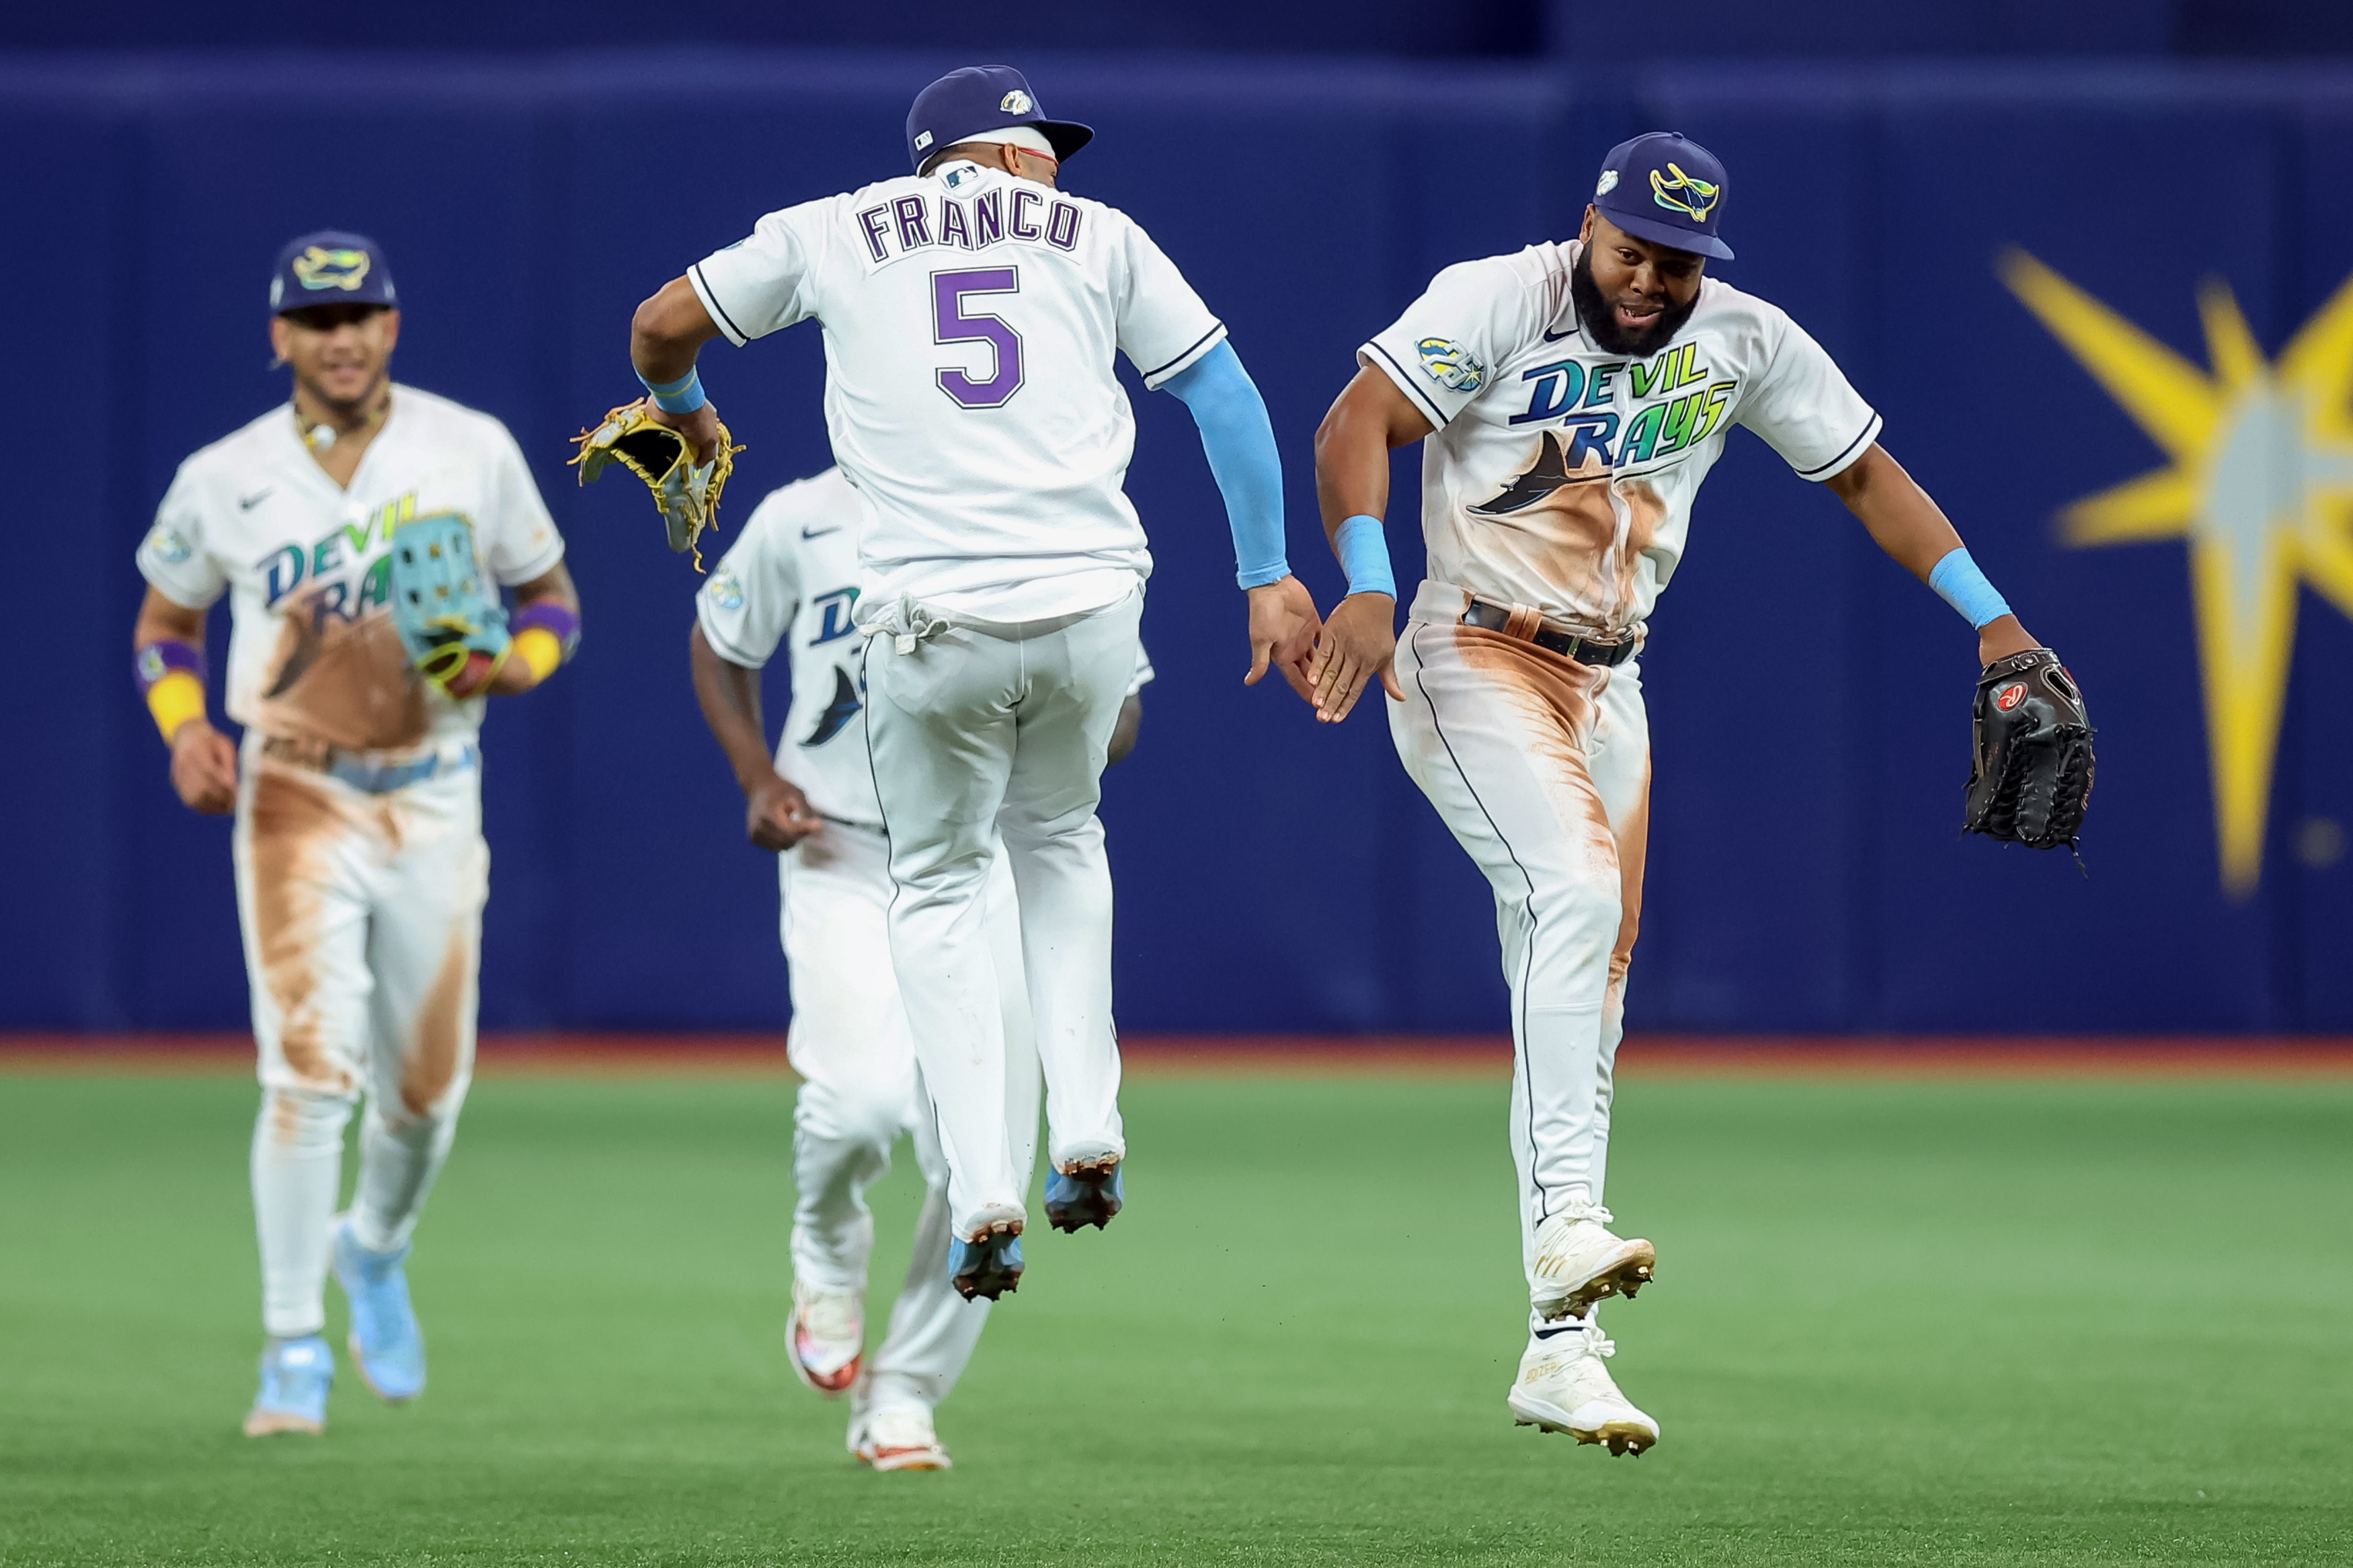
(358, 531)
(1572, 398)
(792, 578)
(972, 312)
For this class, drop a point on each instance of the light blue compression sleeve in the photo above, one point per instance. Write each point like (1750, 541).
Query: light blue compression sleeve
(1238, 440)
(1958, 581)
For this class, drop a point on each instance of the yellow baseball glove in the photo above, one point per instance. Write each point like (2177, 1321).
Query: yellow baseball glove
(685, 492)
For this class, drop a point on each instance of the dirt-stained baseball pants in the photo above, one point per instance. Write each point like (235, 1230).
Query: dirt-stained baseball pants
(362, 923)
(1541, 768)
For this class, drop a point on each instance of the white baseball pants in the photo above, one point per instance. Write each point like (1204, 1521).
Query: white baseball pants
(363, 924)
(861, 1089)
(988, 738)
(1541, 768)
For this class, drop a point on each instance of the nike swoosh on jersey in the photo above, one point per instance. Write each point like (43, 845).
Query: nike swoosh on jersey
(247, 503)
(838, 712)
(819, 533)
(1555, 337)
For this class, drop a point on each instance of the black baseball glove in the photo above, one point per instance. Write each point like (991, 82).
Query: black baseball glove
(2031, 775)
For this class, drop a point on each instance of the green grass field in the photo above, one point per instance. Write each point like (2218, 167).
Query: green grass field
(1896, 1322)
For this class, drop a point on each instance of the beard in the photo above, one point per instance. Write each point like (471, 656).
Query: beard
(1601, 322)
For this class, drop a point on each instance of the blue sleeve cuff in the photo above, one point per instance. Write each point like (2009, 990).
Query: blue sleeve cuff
(1956, 581)
(1238, 439)
(683, 395)
(1364, 552)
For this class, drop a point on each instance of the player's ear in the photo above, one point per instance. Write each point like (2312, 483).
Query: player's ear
(281, 333)
(1585, 231)
(391, 328)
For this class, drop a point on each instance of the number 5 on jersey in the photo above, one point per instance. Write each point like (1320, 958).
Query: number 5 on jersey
(951, 324)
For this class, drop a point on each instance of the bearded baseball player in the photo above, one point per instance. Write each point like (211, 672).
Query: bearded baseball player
(1570, 399)
(791, 578)
(972, 313)
(361, 531)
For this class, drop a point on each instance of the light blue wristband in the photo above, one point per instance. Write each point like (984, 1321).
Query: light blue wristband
(683, 395)
(1957, 582)
(1364, 552)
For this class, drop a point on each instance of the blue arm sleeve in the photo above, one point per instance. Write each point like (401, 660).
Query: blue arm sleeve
(1238, 440)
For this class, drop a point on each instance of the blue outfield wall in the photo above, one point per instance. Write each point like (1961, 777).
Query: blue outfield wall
(1809, 701)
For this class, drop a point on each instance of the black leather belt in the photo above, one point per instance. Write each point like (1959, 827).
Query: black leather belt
(1584, 650)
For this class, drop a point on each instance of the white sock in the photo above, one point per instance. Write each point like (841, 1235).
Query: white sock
(298, 1164)
(397, 1163)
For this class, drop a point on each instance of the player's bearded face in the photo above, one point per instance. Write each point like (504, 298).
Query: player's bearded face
(1629, 310)
(340, 353)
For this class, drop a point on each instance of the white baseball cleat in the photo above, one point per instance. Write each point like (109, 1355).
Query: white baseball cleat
(898, 1438)
(1578, 1262)
(827, 1338)
(1563, 1387)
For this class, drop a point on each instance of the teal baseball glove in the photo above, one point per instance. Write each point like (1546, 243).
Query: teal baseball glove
(449, 619)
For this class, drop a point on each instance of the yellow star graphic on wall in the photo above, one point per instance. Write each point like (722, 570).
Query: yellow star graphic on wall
(2261, 484)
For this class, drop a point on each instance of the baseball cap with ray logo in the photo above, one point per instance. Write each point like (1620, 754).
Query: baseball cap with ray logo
(1664, 187)
(331, 267)
(978, 100)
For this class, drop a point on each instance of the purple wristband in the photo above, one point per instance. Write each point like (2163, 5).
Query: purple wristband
(160, 658)
(551, 617)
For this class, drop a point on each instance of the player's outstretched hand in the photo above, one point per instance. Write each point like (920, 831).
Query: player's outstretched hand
(203, 768)
(700, 427)
(779, 815)
(1360, 641)
(1284, 626)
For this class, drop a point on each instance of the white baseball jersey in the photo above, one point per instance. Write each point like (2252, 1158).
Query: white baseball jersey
(1561, 478)
(312, 651)
(971, 319)
(793, 572)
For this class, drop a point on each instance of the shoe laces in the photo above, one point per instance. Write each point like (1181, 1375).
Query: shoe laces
(1574, 1213)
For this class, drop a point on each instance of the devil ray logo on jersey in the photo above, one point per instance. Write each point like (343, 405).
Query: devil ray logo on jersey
(1548, 473)
(838, 712)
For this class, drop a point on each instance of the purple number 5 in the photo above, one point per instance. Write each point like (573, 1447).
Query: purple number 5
(952, 324)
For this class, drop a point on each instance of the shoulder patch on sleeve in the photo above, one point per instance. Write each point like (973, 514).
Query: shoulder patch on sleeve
(168, 544)
(725, 589)
(1451, 364)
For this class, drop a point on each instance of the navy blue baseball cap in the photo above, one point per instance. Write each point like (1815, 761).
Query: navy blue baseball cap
(1666, 188)
(330, 268)
(977, 100)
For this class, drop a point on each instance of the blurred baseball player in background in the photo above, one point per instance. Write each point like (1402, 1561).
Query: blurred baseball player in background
(791, 576)
(972, 314)
(1572, 398)
(354, 529)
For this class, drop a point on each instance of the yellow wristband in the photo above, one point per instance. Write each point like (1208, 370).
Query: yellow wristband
(174, 700)
(537, 646)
